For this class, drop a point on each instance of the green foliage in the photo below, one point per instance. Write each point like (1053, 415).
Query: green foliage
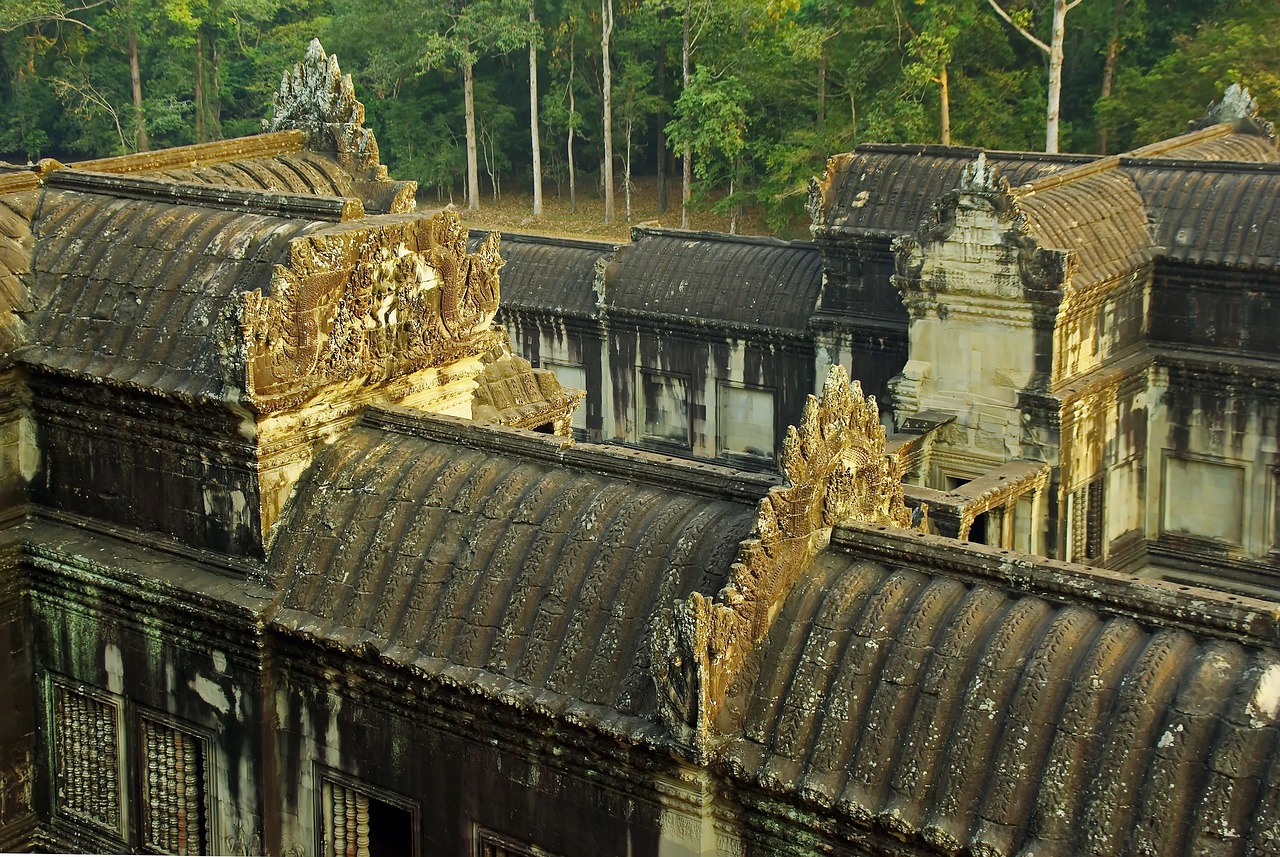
(777, 85)
(1155, 103)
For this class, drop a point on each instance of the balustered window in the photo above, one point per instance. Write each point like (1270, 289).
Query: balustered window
(174, 805)
(358, 824)
(492, 844)
(86, 746)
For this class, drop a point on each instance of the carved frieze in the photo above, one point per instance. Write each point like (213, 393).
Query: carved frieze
(368, 302)
(836, 470)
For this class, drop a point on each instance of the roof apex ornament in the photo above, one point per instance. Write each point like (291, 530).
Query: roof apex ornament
(979, 176)
(316, 98)
(1238, 108)
(836, 469)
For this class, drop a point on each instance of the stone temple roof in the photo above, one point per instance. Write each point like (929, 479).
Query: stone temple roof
(1205, 197)
(143, 291)
(555, 275)
(1228, 215)
(975, 718)
(713, 277)
(954, 699)
(504, 558)
(888, 189)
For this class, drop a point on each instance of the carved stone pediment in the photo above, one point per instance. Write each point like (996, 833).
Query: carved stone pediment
(369, 300)
(977, 240)
(820, 200)
(836, 470)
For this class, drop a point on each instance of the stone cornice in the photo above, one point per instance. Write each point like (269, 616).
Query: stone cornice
(1155, 602)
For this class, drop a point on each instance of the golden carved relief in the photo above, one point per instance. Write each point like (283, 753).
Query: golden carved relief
(836, 470)
(370, 303)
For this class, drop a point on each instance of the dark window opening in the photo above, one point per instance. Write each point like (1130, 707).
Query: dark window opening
(546, 428)
(978, 529)
(390, 830)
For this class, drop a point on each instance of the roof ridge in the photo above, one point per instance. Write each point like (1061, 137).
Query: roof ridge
(1112, 162)
(271, 203)
(199, 154)
(686, 475)
(722, 237)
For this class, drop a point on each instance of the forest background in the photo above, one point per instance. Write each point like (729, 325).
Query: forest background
(739, 100)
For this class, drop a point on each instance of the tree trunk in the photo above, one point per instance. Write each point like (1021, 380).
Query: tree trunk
(662, 131)
(1109, 69)
(944, 89)
(606, 31)
(199, 99)
(533, 113)
(853, 116)
(822, 86)
(573, 184)
(1053, 51)
(733, 211)
(135, 79)
(473, 168)
(686, 191)
(626, 171)
(1055, 75)
(215, 97)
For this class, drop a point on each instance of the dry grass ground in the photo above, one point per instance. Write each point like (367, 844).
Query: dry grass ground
(514, 213)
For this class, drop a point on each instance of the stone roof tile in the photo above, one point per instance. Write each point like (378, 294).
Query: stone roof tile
(503, 553)
(758, 282)
(972, 718)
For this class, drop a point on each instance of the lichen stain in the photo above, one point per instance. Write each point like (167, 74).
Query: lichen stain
(211, 692)
(1264, 706)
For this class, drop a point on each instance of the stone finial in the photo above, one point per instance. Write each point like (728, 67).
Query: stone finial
(836, 470)
(1238, 108)
(982, 177)
(316, 98)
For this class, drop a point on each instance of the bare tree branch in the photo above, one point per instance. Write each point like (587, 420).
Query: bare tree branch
(51, 14)
(1026, 34)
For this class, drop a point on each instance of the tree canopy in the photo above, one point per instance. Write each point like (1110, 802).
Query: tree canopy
(775, 86)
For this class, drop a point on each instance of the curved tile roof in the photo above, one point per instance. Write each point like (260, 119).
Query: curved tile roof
(708, 276)
(1251, 148)
(140, 292)
(889, 189)
(536, 572)
(296, 172)
(17, 205)
(960, 716)
(555, 275)
(1228, 215)
(1100, 217)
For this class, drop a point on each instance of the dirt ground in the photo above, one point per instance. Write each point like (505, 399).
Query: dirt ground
(514, 213)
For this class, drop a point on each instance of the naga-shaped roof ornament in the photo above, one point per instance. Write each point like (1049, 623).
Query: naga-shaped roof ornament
(316, 98)
(837, 469)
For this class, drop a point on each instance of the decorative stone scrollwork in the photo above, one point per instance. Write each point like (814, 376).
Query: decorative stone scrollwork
(369, 302)
(836, 470)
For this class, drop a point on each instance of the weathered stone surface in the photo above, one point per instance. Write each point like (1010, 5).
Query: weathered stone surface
(267, 586)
